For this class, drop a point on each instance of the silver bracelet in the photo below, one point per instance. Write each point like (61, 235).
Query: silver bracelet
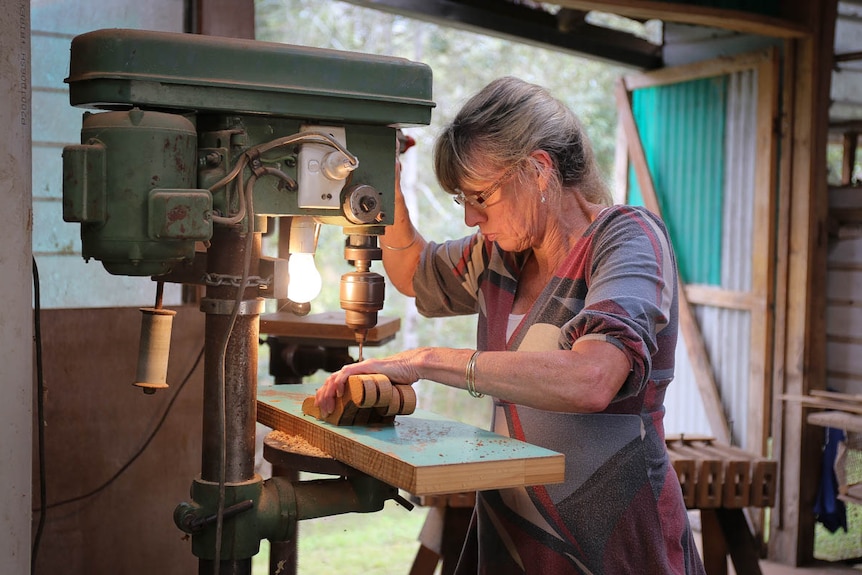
(470, 376)
(407, 247)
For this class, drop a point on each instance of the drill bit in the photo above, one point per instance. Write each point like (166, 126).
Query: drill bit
(360, 335)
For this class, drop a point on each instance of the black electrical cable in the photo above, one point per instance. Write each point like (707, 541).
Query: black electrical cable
(144, 446)
(40, 414)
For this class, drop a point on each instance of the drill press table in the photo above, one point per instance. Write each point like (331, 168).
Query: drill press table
(422, 453)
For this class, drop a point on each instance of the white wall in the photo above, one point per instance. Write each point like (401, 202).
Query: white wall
(16, 331)
(67, 281)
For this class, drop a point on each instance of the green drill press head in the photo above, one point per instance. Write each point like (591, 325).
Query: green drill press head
(309, 132)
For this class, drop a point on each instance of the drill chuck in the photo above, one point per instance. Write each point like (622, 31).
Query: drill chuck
(361, 298)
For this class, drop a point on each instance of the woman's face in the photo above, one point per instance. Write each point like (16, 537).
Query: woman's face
(506, 216)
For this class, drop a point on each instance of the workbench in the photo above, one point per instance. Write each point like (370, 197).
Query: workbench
(722, 481)
(422, 453)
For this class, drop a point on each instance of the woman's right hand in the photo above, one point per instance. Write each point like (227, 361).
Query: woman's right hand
(399, 368)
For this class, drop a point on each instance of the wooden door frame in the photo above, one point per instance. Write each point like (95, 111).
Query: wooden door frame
(801, 365)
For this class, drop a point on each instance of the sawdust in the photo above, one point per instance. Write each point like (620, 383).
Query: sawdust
(297, 444)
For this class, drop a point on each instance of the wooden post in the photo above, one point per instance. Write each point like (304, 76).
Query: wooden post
(848, 162)
(795, 444)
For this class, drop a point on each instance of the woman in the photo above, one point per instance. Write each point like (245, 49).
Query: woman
(577, 327)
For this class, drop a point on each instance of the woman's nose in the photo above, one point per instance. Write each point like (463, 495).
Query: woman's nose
(473, 215)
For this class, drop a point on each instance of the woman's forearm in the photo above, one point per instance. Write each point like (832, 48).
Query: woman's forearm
(584, 379)
(402, 244)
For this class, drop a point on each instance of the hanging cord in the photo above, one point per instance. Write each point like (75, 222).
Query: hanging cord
(146, 444)
(40, 414)
(222, 358)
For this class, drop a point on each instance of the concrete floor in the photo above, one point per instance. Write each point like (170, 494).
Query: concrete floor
(771, 568)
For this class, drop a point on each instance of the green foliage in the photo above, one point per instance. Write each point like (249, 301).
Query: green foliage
(462, 62)
(377, 544)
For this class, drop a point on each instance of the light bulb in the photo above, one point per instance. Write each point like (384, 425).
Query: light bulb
(304, 282)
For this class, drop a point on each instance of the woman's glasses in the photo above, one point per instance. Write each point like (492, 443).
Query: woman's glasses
(478, 199)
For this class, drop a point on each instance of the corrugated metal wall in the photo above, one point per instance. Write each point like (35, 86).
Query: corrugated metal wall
(707, 190)
(728, 331)
(682, 130)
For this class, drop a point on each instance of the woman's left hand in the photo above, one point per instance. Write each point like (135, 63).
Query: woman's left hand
(399, 368)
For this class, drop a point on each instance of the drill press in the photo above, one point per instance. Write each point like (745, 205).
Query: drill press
(199, 141)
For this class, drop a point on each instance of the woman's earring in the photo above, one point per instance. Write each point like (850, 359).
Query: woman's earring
(543, 198)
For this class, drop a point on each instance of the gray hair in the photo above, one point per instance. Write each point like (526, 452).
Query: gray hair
(503, 124)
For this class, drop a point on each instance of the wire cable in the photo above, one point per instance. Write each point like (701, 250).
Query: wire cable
(40, 414)
(143, 448)
(236, 172)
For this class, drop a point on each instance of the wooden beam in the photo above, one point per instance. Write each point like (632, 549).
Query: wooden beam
(848, 57)
(796, 444)
(700, 294)
(535, 26)
(700, 363)
(825, 402)
(700, 70)
(785, 169)
(228, 18)
(738, 20)
(763, 264)
(423, 453)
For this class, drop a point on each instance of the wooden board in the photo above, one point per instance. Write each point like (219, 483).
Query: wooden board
(837, 420)
(422, 453)
(326, 329)
(824, 402)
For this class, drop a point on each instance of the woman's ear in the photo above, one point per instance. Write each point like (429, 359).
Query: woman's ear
(544, 166)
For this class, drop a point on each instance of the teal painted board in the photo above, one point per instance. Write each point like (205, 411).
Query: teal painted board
(422, 453)
(682, 128)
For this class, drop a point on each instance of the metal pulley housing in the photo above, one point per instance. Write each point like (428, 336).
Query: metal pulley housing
(363, 204)
(131, 184)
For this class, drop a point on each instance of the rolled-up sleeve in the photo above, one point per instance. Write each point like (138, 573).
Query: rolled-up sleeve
(629, 296)
(446, 281)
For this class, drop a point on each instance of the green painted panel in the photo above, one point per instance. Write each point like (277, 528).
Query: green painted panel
(682, 127)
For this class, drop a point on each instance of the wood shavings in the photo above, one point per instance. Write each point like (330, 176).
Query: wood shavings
(297, 444)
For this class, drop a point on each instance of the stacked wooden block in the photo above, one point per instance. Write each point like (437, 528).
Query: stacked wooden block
(367, 399)
(714, 475)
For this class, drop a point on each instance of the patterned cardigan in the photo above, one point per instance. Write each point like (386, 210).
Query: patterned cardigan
(620, 509)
